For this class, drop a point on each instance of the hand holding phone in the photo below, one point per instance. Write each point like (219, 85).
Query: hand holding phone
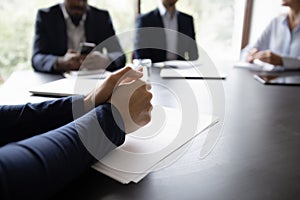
(86, 47)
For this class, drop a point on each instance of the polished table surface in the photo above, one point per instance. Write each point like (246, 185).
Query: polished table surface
(257, 155)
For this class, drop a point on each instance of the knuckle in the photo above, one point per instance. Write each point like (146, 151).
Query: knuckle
(147, 119)
(150, 95)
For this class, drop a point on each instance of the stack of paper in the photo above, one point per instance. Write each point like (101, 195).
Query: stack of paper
(147, 148)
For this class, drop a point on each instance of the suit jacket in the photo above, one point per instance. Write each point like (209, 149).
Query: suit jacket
(151, 42)
(50, 40)
(41, 147)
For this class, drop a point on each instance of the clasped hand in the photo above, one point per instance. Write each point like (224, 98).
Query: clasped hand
(129, 94)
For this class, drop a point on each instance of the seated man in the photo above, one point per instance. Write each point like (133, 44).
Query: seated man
(44, 146)
(60, 29)
(279, 44)
(175, 42)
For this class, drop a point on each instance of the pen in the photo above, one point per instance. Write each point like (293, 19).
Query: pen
(170, 66)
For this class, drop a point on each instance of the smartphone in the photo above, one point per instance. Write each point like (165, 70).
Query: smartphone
(86, 47)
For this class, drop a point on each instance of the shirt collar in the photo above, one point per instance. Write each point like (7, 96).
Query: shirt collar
(284, 20)
(163, 11)
(66, 14)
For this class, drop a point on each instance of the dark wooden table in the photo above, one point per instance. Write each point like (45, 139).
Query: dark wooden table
(257, 155)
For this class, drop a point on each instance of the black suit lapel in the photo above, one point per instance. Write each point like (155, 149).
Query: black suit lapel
(159, 23)
(89, 32)
(181, 31)
(62, 35)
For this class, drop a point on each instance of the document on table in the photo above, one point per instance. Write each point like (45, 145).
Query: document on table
(76, 83)
(146, 148)
(177, 64)
(258, 65)
(88, 74)
(191, 73)
(67, 87)
(79, 83)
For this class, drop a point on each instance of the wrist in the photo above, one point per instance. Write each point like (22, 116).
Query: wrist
(88, 103)
(58, 64)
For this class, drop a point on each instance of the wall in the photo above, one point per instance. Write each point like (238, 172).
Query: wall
(263, 12)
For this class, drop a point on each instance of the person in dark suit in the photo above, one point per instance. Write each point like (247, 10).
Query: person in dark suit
(60, 29)
(175, 42)
(43, 145)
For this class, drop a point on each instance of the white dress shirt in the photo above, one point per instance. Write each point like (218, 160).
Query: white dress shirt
(278, 38)
(75, 34)
(170, 23)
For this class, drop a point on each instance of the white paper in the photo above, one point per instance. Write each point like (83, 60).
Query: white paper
(67, 87)
(177, 64)
(196, 72)
(88, 74)
(258, 65)
(143, 150)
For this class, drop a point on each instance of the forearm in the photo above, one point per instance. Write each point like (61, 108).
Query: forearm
(44, 63)
(40, 166)
(23, 121)
(291, 63)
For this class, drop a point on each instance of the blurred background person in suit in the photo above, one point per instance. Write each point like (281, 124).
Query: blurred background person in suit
(60, 29)
(168, 43)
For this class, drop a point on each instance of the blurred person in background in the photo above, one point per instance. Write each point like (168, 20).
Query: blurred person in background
(60, 29)
(279, 44)
(165, 44)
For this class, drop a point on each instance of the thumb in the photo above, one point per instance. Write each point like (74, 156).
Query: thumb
(71, 51)
(127, 74)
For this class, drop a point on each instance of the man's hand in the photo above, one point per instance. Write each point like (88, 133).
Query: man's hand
(133, 101)
(104, 92)
(70, 61)
(95, 60)
(128, 94)
(265, 56)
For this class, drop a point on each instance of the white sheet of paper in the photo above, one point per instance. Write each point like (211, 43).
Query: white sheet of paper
(89, 74)
(196, 72)
(145, 148)
(258, 66)
(67, 87)
(177, 64)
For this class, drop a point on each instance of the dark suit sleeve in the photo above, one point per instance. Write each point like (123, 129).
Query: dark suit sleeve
(112, 44)
(139, 42)
(150, 38)
(23, 121)
(40, 166)
(115, 51)
(192, 47)
(41, 59)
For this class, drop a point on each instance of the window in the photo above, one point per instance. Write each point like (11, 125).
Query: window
(214, 24)
(17, 19)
